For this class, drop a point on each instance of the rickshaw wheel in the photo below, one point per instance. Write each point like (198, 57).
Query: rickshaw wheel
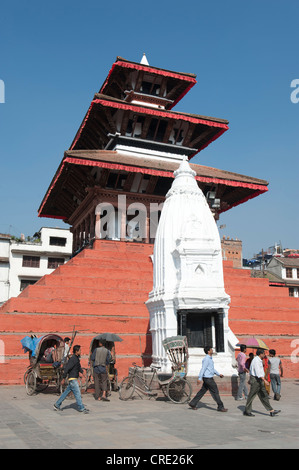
(31, 383)
(26, 374)
(126, 389)
(179, 390)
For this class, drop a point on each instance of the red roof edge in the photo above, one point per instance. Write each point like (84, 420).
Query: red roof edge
(77, 161)
(146, 68)
(223, 127)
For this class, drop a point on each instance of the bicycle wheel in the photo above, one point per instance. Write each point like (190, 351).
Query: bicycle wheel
(127, 388)
(31, 383)
(179, 390)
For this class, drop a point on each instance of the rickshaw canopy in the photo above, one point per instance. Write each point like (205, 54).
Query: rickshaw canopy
(177, 350)
(175, 342)
(40, 344)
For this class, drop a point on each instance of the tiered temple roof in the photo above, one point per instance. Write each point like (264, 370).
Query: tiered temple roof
(131, 140)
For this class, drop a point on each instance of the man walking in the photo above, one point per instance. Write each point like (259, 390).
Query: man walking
(72, 369)
(241, 359)
(276, 371)
(206, 375)
(100, 359)
(257, 385)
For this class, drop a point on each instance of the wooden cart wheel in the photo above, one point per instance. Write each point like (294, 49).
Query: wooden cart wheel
(31, 383)
(179, 390)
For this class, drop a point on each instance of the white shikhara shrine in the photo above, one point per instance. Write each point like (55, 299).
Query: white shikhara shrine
(188, 295)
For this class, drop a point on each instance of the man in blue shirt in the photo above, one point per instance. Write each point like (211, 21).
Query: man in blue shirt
(206, 375)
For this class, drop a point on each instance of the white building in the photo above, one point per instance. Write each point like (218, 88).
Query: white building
(4, 266)
(285, 270)
(24, 262)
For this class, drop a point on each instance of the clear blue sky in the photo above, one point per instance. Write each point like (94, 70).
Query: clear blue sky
(55, 55)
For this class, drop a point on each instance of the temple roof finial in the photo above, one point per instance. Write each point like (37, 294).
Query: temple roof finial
(144, 60)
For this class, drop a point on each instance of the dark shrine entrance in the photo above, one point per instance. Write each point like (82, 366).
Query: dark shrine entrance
(202, 328)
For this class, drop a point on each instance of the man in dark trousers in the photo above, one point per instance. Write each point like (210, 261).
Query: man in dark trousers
(72, 369)
(257, 385)
(100, 359)
(206, 374)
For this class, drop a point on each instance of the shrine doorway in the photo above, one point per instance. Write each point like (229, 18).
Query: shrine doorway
(202, 328)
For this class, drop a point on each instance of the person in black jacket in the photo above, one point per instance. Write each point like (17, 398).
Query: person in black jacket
(72, 369)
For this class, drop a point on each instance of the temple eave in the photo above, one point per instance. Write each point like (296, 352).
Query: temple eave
(107, 167)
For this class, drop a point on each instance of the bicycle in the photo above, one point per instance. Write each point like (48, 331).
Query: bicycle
(178, 389)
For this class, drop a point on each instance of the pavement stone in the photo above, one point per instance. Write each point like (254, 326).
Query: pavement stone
(30, 422)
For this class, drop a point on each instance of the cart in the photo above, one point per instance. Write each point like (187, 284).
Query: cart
(109, 340)
(41, 373)
(176, 387)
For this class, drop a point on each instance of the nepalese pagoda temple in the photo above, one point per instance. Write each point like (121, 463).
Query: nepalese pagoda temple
(130, 152)
(129, 143)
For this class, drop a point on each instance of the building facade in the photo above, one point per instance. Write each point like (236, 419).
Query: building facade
(4, 266)
(284, 271)
(232, 251)
(23, 262)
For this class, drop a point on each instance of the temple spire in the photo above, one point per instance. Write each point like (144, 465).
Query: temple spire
(144, 60)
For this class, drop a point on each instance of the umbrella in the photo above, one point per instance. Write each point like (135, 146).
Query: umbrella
(254, 343)
(108, 337)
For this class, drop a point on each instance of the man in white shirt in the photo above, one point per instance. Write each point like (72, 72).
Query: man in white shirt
(257, 385)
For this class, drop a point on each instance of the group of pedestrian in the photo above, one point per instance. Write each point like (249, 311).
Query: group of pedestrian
(273, 370)
(72, 370)
(258, 370)
(255, 366)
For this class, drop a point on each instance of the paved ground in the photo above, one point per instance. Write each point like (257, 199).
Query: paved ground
(31, 423)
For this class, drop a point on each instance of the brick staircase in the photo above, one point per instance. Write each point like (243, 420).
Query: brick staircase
(104, 289)
(266, 312)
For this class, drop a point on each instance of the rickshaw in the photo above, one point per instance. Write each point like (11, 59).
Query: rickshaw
(176, 348)
(41, 373)
(176, 387)
(108, 340)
